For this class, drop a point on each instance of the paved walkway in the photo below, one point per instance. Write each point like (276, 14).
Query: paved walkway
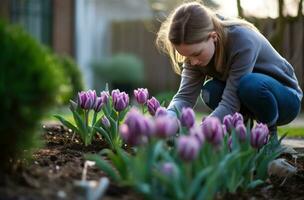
(297, 122)
(293, 143)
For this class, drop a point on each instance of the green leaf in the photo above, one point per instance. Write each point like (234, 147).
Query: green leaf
(66, 123)
(80, 124)
(254, 183)
(105, 134)
(196, 184)
(121, 166)
(104, 166)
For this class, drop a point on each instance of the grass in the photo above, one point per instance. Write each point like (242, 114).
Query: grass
(291, 131)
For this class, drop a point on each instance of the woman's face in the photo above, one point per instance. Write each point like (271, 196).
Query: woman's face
(199, 53)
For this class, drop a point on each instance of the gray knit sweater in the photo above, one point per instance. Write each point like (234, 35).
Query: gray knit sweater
(246, 51)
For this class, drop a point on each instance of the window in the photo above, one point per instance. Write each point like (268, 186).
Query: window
(34, 16)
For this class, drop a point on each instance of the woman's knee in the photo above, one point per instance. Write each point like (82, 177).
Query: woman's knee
(248, 87)
(212, 92)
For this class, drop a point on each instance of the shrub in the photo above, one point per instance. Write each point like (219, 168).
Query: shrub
(29, 80)
(122, 71)
(73, 79)
(165, 97)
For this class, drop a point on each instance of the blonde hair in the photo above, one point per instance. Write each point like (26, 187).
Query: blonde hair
(191, 23)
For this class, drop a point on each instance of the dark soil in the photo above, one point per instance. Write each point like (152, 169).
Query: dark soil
(54, 168)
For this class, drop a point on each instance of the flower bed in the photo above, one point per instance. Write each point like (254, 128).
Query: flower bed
(41, 179)
(158, 156)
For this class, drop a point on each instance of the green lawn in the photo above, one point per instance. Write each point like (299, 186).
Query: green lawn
(292, 131)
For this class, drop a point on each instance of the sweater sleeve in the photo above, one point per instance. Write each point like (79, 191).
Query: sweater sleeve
(244, 54)
(189, 89)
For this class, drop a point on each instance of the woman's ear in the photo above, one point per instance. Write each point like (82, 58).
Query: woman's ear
(214, 36)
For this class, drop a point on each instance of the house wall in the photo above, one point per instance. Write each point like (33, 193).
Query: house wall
(4, 9)
(63, 27)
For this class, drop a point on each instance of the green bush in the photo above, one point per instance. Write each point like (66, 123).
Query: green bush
(122, 71)
(73, 82)
(165, 97)
(29, 82)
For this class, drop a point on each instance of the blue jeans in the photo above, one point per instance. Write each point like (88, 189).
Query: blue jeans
(262, 98)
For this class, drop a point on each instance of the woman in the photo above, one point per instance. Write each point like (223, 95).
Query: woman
(248, 74)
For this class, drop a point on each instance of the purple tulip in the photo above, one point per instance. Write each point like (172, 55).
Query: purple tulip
(213, 130)
(197, 133)
(188, 147)
(228, 122)
(126, 135)
(259, 135)
(188, 117)
(105, 96)
(231, 121)
(136, 128)
(166, 126)
(240, 131)
(141, 95)
(86, 99)
(161, 111)
(120, 100)
(98, 104)
(105, 122)
(168, 169)
(149, 127)
(153, 105)
(237, 119)
(114, 94)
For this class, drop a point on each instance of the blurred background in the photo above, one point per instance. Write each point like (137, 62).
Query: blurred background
(113, 40)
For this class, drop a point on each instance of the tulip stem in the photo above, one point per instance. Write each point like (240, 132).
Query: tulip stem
(143, 109)
(117, 129)
(94, 118)
(87, 131)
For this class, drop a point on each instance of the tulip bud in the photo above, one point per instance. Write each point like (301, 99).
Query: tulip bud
(168, 169)
(188, 148)
(141, 95)
(139, 128)
(187, 117)
(104, 96)
(237, 118)
(105, 122)
(166, 126)
(152, 104)
(197, 133)
(259, 136)
(161, 111)
(241, 131)
(231, 121)
(149, 127)
(98, 104)
(121, 101)
(114, 94)
(213, 130)
(86, 99)
(228, 122)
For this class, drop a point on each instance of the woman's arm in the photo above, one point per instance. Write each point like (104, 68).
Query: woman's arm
(189, 89)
